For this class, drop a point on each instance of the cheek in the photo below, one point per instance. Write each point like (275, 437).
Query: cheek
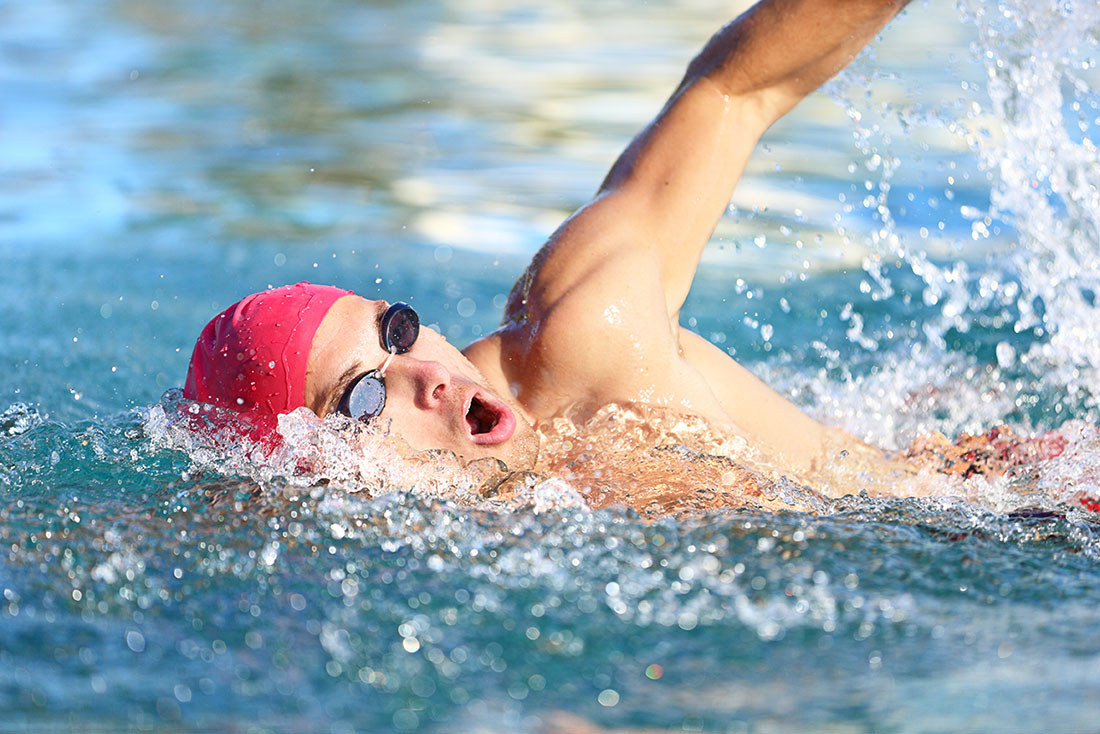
(419, 430)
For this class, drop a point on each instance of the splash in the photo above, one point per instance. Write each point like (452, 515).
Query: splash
(654, 461)
(1038, 139)
(18, 418)
(660, 462)
(991, 276)
(639, 459)
(350, 460)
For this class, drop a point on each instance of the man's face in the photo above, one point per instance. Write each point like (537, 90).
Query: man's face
(435, 398)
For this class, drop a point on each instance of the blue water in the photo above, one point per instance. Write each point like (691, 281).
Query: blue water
(914, 250)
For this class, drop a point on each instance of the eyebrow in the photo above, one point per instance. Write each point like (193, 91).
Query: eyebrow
(341, 386)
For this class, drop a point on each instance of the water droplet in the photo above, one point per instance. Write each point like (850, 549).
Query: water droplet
(135, 641)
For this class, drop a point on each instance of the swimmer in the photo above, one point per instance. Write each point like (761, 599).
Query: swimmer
(595, 318)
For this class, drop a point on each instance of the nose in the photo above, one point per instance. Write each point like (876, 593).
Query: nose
(429, 381)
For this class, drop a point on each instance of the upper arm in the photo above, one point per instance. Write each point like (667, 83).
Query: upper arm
(656, 209)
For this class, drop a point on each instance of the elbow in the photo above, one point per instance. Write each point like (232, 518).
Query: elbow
(752, 110)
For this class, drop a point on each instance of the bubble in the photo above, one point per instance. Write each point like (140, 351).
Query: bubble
(466, 308)
(135, 641)
(405, 720)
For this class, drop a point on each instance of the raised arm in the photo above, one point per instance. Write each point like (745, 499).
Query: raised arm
(677, 176)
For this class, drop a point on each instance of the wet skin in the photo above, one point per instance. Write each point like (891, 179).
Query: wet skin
(594, 320)
(435, 397)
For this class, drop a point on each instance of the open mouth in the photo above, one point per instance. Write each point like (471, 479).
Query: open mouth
(489, 421)
(480, 417)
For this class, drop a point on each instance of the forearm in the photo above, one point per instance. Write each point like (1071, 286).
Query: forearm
(784, 49)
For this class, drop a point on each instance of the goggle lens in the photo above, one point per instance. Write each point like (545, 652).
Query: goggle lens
(365, 397)
(400, 328)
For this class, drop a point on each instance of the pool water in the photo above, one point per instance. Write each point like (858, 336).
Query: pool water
(914, 250)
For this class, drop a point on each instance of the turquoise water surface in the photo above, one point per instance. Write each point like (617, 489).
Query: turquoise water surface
(916, 249)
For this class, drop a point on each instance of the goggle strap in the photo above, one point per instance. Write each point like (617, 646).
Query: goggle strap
(386, 364)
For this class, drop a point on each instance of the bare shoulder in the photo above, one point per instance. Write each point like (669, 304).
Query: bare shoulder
(587, 321)
(601, 242)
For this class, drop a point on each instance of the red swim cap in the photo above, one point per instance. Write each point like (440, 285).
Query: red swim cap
(252, 357)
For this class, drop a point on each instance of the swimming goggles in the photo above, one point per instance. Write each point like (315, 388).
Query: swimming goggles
(366, 396)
